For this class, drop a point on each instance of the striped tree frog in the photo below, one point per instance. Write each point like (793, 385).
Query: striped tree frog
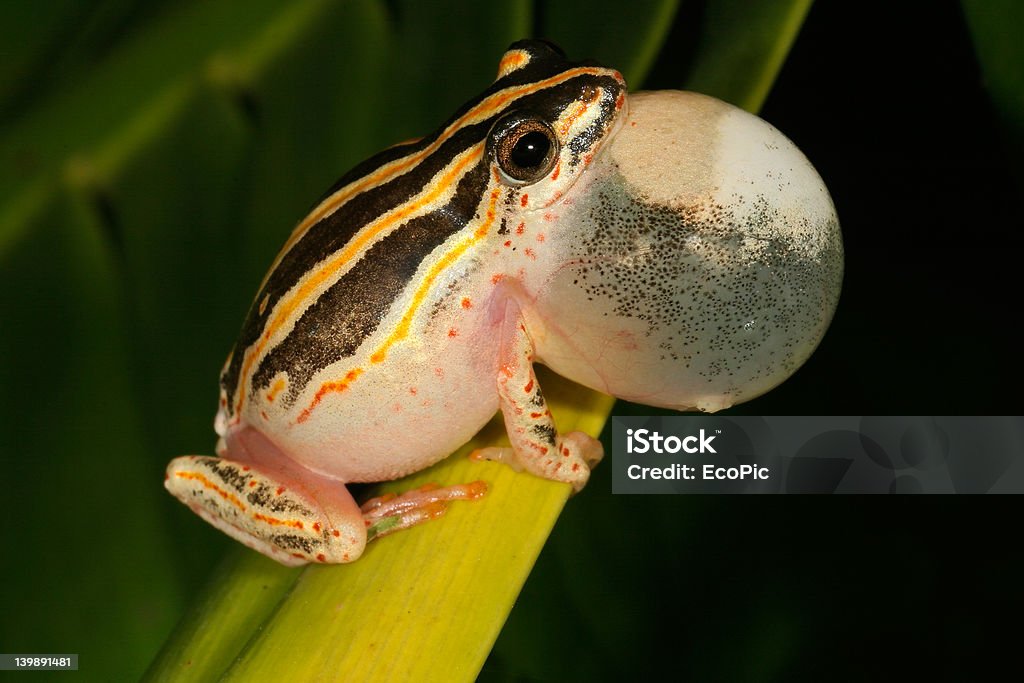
(664, 247)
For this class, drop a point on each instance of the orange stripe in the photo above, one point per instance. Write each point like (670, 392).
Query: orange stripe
(399, 166)
(284, 310)
(275, 390)
(274, 521)
(581, 109)
(445, 262)
(513, 59)
(226, 495)
(402, 329)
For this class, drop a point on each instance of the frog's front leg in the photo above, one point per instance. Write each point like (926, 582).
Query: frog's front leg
(537, 446)
(290, 514)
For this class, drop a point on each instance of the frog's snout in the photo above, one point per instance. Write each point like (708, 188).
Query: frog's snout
(706, 235)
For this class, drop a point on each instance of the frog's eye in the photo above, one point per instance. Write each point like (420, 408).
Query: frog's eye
(524, 147)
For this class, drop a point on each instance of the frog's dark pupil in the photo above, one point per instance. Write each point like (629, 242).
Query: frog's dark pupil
(530, 150)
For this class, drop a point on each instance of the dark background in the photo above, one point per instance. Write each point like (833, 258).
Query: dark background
(888, 103)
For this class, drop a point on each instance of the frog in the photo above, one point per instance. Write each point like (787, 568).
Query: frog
(664, 247)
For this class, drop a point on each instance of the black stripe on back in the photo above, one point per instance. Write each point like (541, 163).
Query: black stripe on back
(331, 233)
(348, 312)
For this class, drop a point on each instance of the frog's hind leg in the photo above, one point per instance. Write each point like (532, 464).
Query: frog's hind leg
(390, 513)
(293, 516)
(270, 511)
(537, 446)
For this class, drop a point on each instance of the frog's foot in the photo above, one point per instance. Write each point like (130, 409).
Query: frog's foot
(268, 509)
(537, 446)
(577, 454)
(389, 513)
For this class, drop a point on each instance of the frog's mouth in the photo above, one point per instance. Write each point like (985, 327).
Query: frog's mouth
(703, 237)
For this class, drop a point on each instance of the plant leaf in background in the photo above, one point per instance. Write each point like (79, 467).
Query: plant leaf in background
(151, 162)
(995, 32)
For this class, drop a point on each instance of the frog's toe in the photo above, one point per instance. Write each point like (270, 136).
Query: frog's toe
(579, 453)
(576, 454)
(390, 513)
(502, 454)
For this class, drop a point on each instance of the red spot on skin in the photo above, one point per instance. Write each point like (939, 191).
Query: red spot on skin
(280, 490)
(548, 216)
(298, 555)
(495, 279)
(508, 243)
(245, 468)
(620, 100)
(466, 303)
(453, 332)
(523, 200)
(412, 390)
(565, 451)
(439, 372)
(263, 414)
(520, 228)
(320, 557)
(336, 533)
(252, 484)
(575, 466)
(316, 526)
(540, 237)
(558, 169)
(345, 557)
(558, 467)
(529, 252)
(633, 123)
(544, 451)
(536, 415)
(529, 386)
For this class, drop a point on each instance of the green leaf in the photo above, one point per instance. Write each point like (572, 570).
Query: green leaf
(601, 30)
(742, 46)
(995, 30)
